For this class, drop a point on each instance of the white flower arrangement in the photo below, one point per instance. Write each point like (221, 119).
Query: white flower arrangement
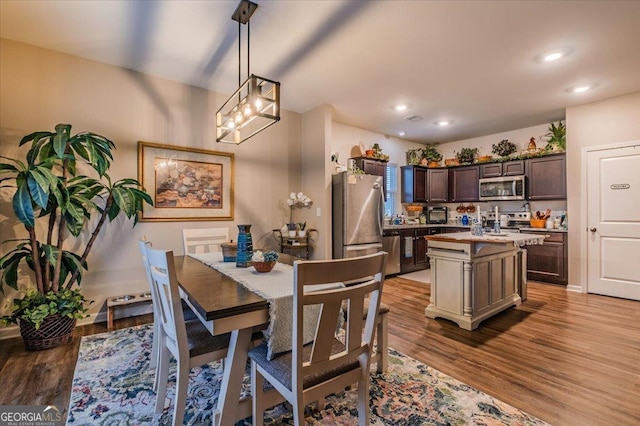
(297, 200)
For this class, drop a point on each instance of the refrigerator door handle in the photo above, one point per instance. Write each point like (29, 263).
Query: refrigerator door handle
(381, 208)
(360, 247)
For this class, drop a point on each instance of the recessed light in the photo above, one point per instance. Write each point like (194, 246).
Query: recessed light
(401, 133)
(581, 89)
(443, 123)
(401, 107)
(553, 56)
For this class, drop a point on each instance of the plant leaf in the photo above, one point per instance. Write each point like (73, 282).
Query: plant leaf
(22, 206)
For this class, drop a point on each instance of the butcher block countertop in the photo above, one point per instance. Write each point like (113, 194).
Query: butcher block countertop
(518, 239)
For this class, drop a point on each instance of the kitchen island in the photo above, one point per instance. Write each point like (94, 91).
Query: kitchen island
(475, 277)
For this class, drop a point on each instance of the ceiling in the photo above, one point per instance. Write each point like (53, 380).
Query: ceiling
(474, 63)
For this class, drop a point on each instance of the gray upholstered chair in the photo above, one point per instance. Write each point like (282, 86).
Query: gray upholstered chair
(310, 372)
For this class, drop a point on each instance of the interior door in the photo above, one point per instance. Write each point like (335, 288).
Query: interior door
(613, 218)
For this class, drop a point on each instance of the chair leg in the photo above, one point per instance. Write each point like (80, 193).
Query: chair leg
(257, 387)
(155, 349)
(182, 382)
(162, 376)
(363, 400)
(298, 413)
(382, 346)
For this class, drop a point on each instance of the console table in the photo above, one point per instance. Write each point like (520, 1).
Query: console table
(298, 246)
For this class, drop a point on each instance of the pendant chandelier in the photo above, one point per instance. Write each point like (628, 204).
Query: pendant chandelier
(256, 104)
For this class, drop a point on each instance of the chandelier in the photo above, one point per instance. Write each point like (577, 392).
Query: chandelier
(256, 104)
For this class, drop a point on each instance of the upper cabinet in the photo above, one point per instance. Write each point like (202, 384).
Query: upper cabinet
(422, 185)
(508, 168)
(463, 184)
(547, 178)
(372, 166)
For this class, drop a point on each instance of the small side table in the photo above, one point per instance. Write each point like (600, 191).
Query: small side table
(298, 246)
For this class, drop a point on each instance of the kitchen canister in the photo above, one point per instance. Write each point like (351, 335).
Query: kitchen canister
(244, 252)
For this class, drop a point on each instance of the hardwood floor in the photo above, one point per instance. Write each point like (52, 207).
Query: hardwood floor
(566, 358)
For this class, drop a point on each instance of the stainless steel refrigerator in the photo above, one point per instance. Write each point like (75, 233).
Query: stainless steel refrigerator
(358, 205)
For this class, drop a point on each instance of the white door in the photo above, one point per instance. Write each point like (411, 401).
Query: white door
(613, 219)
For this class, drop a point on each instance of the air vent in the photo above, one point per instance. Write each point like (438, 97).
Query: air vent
(413, 118)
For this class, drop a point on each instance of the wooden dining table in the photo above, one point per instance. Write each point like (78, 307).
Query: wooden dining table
(224, 305)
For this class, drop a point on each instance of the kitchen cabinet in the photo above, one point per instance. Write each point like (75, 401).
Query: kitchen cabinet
(548, 262)
(547, 178)
(422, 185)
(373, 166)
(407, 250)
(463, 184)
(508, 168)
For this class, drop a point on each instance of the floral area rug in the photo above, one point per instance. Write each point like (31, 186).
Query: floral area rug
(113, 385)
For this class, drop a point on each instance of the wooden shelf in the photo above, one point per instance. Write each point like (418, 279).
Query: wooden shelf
(300, 246)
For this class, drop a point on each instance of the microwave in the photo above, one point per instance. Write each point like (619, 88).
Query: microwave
(436, 214)
(502, 188)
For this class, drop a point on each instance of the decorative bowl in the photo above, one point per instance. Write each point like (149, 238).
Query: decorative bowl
(264, 266)
(538, 223)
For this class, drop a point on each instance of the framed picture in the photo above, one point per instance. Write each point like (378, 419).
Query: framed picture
(186, 184)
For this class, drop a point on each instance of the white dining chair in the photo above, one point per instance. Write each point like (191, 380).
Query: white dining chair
(189, 342)
(310, 372)
(204, 240)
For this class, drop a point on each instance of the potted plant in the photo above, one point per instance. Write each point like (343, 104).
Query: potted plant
(414, 156)
(504, 148)
(431, 155)
(302, 229)
(296, 201)
(50, 191)
(557, 137)
(467, 155)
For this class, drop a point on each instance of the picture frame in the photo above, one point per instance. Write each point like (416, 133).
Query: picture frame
(186, 184)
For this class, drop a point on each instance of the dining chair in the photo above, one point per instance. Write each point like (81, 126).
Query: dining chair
(189, 342)
(188, 314)
(204, 240)
(310, 372)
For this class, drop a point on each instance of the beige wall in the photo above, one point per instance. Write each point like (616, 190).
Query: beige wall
(40, 88)
(608, 122)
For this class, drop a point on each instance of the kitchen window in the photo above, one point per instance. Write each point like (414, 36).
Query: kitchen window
(391, 189)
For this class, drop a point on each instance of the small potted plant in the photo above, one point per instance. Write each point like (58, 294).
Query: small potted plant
(504, 148)
(467, 155)
(302, 231)
(431, 155)
(264, 261)
(414, 156)
(557, 137)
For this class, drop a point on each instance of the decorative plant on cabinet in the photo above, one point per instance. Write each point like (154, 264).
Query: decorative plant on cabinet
(50, 191)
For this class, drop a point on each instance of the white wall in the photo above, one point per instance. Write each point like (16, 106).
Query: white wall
(602, 123)
(40, 88)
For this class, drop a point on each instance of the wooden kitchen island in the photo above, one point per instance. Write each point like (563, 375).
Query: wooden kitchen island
(475, 277)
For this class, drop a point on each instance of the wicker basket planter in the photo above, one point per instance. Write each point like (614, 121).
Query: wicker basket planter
(264, 266)
(55, 330)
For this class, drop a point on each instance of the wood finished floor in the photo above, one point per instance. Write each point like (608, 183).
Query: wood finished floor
(566, 358)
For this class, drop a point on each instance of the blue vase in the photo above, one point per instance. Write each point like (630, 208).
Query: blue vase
(245, 247)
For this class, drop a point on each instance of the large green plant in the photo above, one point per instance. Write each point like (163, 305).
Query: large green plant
(49, 188)
(557, 136)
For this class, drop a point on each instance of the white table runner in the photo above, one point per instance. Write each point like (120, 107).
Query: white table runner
(277, 287)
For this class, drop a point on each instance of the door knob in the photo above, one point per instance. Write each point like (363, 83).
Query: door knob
(593, 229)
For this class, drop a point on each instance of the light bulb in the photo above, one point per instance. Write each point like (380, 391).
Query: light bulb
(238, 117)
(258, 103)
(231, 124)
(247, 110)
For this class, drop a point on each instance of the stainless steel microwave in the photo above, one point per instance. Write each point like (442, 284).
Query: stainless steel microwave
(502, 188)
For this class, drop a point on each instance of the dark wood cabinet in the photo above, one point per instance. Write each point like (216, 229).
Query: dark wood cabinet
(414, 184)
(548, 262)
(372, 166)
(508, 168)
(547, 178)
(417, 259)
(438, 185)
(463, 184)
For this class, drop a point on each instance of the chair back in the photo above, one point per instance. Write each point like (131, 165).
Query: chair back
(164, 282)
(366, 276)
(142, 246)
(204, 240)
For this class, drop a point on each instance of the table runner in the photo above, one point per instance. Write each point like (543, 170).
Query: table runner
(277, 287)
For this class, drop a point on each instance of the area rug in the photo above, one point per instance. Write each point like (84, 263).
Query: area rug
(113, 385)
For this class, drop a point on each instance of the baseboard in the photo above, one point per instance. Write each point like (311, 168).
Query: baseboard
(575, 289)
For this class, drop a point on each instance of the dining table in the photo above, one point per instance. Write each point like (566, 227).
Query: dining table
(224, 306)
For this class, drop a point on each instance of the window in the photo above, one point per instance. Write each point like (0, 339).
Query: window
(392, 189)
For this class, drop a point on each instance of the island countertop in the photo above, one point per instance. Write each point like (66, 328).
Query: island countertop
(518, 239)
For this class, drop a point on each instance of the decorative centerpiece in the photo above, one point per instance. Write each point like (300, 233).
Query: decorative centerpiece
(264, 262)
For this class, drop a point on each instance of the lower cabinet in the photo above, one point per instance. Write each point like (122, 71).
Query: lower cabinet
(413, 248)
(548, 262)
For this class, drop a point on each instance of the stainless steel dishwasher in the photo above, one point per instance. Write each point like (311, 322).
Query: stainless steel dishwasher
(391, 244)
